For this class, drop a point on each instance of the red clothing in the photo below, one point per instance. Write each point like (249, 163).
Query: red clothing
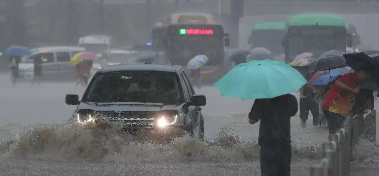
(194, 73)
(338, 100)
(83, 68)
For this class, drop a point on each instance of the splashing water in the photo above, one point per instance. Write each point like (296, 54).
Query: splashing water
(66, 142)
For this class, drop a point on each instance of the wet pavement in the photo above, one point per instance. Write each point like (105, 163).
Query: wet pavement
(24, 106)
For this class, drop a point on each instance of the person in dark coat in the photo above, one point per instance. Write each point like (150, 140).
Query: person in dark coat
(308, 103)
(13, 65)
(274, 133)
(38, 61)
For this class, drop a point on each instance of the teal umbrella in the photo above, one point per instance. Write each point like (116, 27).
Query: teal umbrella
(260, 79)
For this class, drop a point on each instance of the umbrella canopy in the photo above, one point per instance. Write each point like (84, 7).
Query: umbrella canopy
(36, 51)
(369, 85)
(79, 57)
(302, 62)
(197, 62)
(332, 53)
(371, 52)
(337, 71)
(303, 56)
(359, 60)
(260, 79)
(327, 63)
(325, 79)
(239, 56)
(18, 50)
(260, 51)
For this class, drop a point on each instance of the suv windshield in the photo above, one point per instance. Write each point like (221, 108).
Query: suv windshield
(135, 86)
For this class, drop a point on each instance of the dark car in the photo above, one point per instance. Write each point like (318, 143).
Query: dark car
(140, 96)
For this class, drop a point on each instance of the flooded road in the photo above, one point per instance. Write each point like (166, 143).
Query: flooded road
(32, 118)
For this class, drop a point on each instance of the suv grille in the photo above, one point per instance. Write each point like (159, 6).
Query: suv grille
(138, 118)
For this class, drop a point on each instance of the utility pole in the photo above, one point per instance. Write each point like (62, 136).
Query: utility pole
(149, 19)
(219, 5)
(70, 23)
(101, 13)
(176, 5)
(236, 12)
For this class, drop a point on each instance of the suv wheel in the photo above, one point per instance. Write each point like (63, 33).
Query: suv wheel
(198, 131)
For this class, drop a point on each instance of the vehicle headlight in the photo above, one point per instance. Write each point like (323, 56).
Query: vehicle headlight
(165, 121)
(85, 118)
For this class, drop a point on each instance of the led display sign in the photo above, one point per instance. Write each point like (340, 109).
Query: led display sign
(196, 32)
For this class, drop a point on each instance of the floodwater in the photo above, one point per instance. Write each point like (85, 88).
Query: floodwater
(36, 140)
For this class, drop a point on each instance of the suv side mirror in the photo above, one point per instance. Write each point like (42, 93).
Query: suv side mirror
(72, 99)
(198, 100)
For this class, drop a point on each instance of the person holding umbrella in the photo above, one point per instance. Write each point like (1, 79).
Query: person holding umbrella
(308, 102)
(270, 84)
(259, 53)
(83, 62)
(38, 61)
(16, 52)
(339, 100)
(14, 61)
(239, 56)
(194, 68)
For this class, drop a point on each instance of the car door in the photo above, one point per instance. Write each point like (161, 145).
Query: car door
(194, 111)
(65, 70)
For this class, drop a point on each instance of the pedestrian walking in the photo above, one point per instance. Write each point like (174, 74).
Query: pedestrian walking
(273, 106)
(38, 61)
(274, 133)
(14, 62)
(83, 71)
(195, 76)
(308, 96)
(340, 98)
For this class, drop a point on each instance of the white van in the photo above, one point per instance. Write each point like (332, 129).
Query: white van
(56, 63)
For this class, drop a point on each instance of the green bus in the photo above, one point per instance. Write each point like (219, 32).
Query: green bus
(268, 35)
(315, 33)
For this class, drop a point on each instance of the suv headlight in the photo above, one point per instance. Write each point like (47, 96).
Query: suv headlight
(84, 118)
(165, 120)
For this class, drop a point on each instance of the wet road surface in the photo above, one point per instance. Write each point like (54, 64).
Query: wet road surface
(24, 106)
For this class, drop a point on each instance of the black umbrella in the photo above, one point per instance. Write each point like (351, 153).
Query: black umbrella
(239, 56)
(359, 60)
(371, 52)
(369, 85)
(327, 63)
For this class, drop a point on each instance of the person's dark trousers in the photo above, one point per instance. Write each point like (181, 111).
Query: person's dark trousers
(334, 120)
(275, 159)
(306, 105)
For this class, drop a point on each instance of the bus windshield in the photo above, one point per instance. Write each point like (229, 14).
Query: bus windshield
(270, 39)
(190, 47)
(316, 41)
